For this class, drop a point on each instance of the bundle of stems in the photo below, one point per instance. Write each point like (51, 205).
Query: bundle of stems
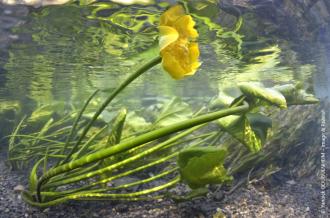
(84, 168)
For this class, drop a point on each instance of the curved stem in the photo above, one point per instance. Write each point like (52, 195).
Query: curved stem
(130, 79)
(102, 196)
(127, 173)
(123, 186)
(73, 129)
(150, 136)
(145, 166)
(123, 162)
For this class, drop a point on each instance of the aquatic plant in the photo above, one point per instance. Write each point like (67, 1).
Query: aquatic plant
(85, 162)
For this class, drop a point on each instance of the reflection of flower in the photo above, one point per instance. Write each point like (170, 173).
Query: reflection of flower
(178, 50)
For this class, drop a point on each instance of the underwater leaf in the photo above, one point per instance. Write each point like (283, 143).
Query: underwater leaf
(114, 137)
(13, 135)
(296, 96)
(45, 112)
(33, 179)
(256, 90)
(222, 101)
(42, 113)
(117, 127)
(173, 111)
(251, 129)
(203, 165)
(46, 160)
(135, 123)
(260, 125)
(43, 131)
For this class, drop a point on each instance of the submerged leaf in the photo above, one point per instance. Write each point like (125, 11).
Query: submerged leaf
(45, 112)
(117, 127)
(33, 179)
(260, 125)
(203, 165)
(256, 90)
(222, 101)
(135, 123)
(296, 96)
(251, 129)
(173, 111)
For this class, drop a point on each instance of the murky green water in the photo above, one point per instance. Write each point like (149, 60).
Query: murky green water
(67, 52)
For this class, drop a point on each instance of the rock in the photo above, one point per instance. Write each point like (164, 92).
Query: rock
(122, 208)
(291, 182)
(218, 196)
(19, 188)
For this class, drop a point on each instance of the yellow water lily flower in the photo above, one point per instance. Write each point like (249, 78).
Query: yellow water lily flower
(178, 48)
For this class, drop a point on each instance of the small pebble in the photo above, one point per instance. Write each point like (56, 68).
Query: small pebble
(19, 188)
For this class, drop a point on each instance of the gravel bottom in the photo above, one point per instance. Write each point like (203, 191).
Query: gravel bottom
(290, 199)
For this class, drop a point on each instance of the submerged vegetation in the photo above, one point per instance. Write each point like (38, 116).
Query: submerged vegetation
(79, 157)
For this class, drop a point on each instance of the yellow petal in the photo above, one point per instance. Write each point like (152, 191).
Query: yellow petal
(185, 26)
(193, 56)
(172, 66)
(171, 15)
(167, 36)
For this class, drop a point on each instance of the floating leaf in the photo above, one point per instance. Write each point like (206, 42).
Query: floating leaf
(203, 165)
(256, 90)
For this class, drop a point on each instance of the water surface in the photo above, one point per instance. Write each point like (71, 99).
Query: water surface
(66, 52)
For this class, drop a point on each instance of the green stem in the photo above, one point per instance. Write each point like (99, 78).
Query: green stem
(127, 173)
(74, 129)
(150, 136)
(123, 162)
(39, 138)
(101, 196)
(90, 141)
(130, 79)
(14, 135)
(103, 190)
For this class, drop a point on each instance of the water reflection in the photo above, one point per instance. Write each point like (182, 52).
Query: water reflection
(75, 49)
